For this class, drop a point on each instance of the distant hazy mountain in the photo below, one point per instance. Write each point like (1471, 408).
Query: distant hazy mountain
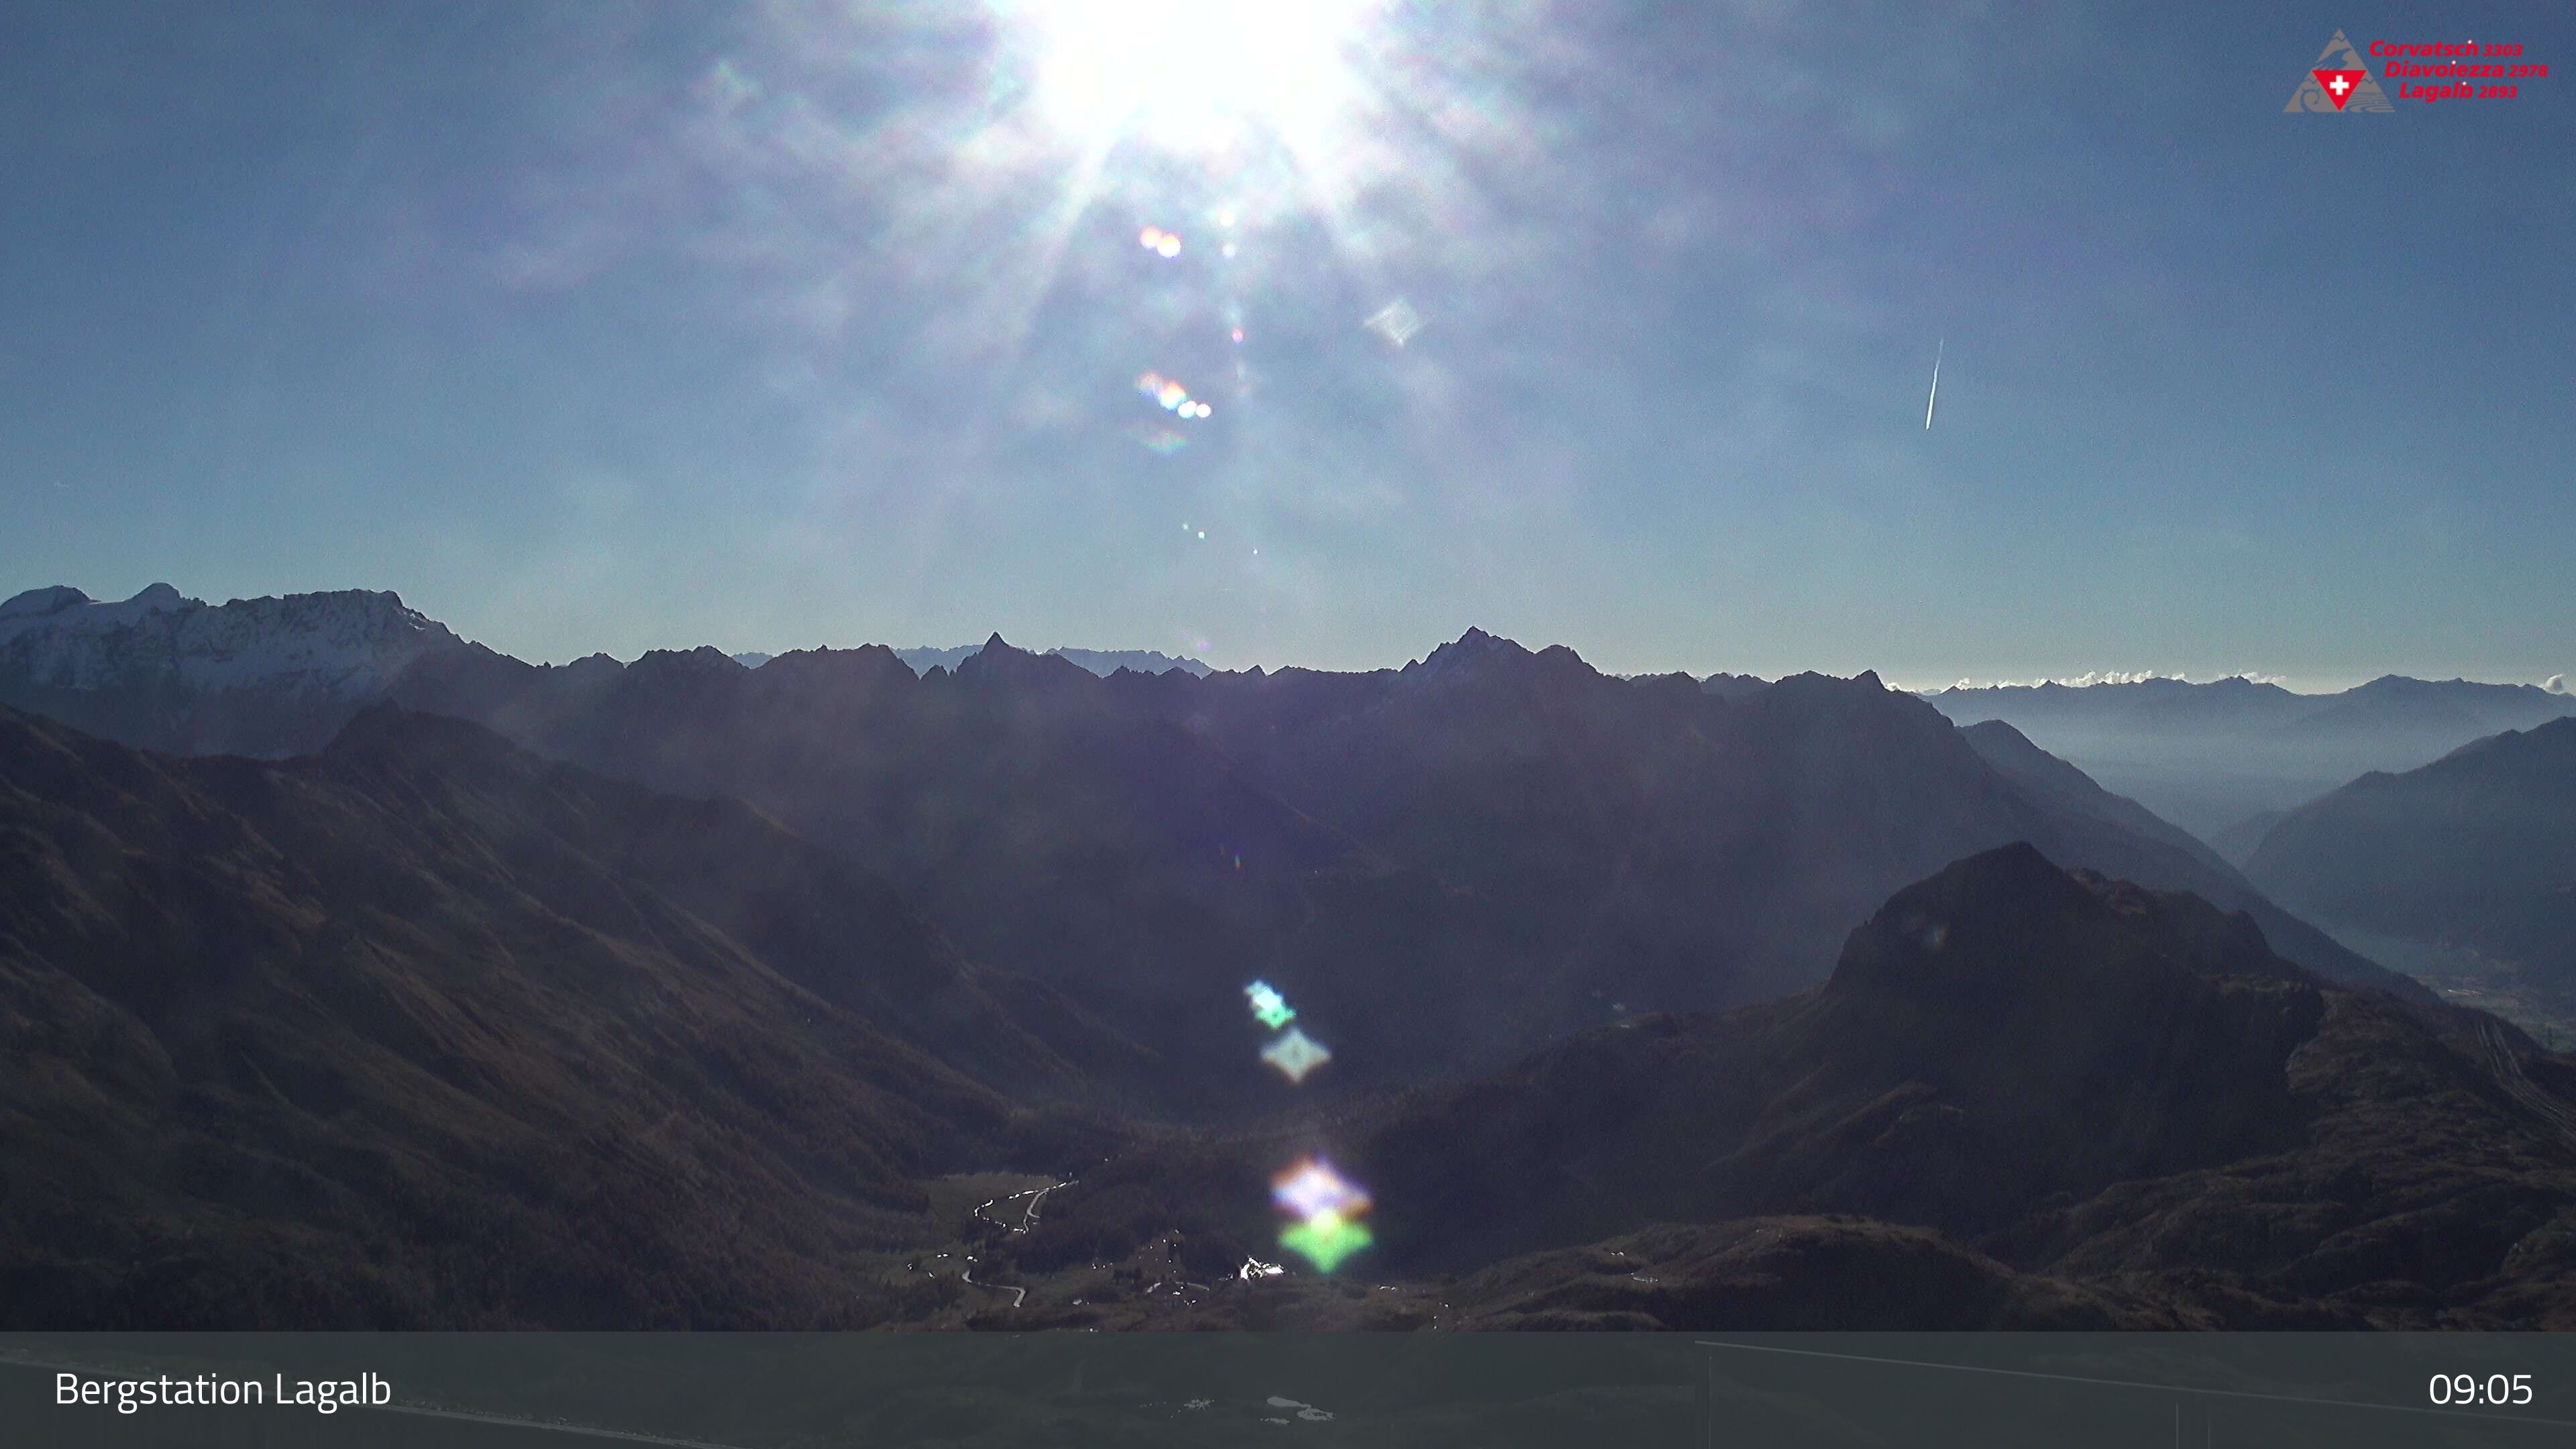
(263, 676)
(2475, 851)
(2011, 752)
(1098, 661)
(924, 659)
(1733, 686)
(426, 1032)
(2036, 1099)
(2239, 841)
(2209, 756)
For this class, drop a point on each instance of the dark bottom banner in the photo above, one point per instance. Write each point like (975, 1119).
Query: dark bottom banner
(1039, 1391)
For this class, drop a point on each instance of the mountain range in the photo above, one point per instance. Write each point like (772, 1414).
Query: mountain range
(1099, 661)
(687, 992)
(275, 677)
(2474, 853)
(2221, 758)
(426, 1031)
(1441, 864)
(1438, 865)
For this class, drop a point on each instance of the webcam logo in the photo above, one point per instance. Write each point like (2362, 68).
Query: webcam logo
(2339, 83)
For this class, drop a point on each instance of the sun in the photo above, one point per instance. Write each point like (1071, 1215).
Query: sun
(1194, 76)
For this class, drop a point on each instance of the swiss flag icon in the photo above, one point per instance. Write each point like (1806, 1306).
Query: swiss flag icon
(2339, 83)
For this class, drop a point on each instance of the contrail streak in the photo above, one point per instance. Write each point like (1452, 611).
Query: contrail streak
(1933, 400)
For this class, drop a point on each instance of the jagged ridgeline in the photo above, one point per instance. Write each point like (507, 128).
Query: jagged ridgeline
(761, 985)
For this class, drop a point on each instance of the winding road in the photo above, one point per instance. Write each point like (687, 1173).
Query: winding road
(1028, 1220)
(1028, 1215)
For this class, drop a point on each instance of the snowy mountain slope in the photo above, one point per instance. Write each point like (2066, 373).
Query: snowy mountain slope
(164, 671)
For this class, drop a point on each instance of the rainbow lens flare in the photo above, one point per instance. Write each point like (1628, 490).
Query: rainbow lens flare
(1312, 1188)
(1327, 1207)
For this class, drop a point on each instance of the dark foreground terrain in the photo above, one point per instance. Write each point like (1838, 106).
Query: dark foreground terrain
(2025, 1099)
(428, 1031)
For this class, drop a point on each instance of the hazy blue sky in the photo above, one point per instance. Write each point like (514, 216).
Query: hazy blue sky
(617, 327)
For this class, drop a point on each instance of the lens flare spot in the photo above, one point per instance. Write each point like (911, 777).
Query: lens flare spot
(1397, 322)
(1311, 1186)
(1159, 441)
(1295, 1054)
(1268, 1007)
(1326, 1239)
(1169, 395)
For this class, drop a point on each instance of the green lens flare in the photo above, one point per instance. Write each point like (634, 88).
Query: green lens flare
(1268, 1006)
(1326, 1239)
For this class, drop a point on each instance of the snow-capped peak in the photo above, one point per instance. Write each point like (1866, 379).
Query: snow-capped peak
(36, 603)
(343, 643)
(64, 607)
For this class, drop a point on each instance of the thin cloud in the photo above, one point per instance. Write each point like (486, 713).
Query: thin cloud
(2119, 676)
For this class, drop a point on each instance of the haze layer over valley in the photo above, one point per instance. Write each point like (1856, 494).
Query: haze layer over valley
(2225, 759)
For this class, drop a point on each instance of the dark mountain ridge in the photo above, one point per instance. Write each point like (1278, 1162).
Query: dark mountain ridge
(1699, 831)
(1048, 831)
(2476, 850)
(425, 1031)
(429, 1031)
(1440, 865)
(2068, 1099)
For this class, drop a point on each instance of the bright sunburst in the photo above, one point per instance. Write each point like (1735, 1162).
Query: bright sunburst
(1194, 75)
